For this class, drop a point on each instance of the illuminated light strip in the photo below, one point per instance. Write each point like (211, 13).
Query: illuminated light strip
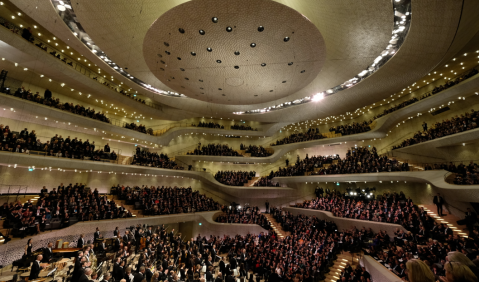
(400, 31)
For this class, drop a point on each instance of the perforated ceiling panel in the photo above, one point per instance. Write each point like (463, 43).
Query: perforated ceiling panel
(234, 52)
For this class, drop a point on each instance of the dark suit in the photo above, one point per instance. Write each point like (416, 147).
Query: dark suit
(209, 276)
(47, 255)
(83, 278)
(438, 201)
(137, 277)
(148, 274)
(35, 270)
(230, 278)
(80, 242)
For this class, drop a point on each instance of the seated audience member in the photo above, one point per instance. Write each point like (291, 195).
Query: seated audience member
(152, 159)
(234, 178)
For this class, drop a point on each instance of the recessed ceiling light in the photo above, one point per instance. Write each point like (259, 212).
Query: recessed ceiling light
(286, 39)
(236, 67)
(209, 49)
(229, 29)
(260, 28)
(218, 61)
(202, 32)
(290, 63)
(181, 30)
(252, 45)
(193, 54)
(263, 64)
(237, 53)
(214, 19)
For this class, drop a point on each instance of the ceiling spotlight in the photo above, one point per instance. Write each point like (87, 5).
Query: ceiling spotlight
(252, 45)
(166, 44)
(229, 29)
(236, 67)
(303, 71)
(193, 54)
(260, 28)
(181, 30)
(202, 32)
(263, 64)
(286, 39)
(214, 19)
(218, 61)
(290, 63)
(209, 49)
(237, 53)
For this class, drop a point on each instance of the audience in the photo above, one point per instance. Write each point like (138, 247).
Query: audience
(68, 203)
(209, 125)
(146, 158)
(265, 181)
(247, 215)
(140, 128)
(26, 142)
(357, 160)
(215, 150)
(397, 107)
(353, 128)
(299, 137)
(234, 178)
(447, 127)
(166, 200)
(50, 101)
(255, 151)
(242, 127)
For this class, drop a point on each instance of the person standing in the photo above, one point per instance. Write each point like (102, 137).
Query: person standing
(36, 268)
(424, 126)
(438, 201)
(267, 206)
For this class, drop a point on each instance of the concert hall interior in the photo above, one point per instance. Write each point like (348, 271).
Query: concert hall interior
(239, 140)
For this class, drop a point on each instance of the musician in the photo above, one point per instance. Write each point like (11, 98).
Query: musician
(116, 232)
(101, 247)
(117, 243)
(81, 241)
(28, 248)
(36, 268)
(106, 277)
(219, 277)
(125, 237)
(138, 277)
(222, 265)
(148, 273)
(47, 252)
(128, 276)
(84, 277)
(96, 235)
(209, 275)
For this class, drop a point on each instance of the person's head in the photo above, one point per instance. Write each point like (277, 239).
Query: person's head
(459, 257)
(39, 257)
(107, 276)
(142, 269)
(88, 271)
(29, 241)
(50, 244)
(458, 272)
(418, 271)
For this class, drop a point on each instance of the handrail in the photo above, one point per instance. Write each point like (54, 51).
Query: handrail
(183, 151)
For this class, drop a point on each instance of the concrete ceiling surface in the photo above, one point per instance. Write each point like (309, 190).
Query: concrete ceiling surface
(355, 32)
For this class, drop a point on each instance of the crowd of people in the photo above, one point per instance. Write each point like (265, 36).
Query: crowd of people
(166, 200)
(245, 215)
(63, 204)
(353, 128)
(464, 174)
(357, 160)
(265, 181)
(457, 124)
(300, 137)
(396, 107)
(25, 142)
(255, 151)
(140, 128)
(242, 127)
(215, 150)
(153, 159)
(425, 239)
(49, 100)
(210, 125)
(451, 83)
(234, 178)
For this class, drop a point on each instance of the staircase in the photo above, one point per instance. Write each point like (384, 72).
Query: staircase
(252, 182)
(135, 213)
(449, 219)
(124, 160)
(277, 227)
(339, 264)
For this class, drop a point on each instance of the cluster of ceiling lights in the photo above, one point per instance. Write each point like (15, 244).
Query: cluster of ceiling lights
(402, 19)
